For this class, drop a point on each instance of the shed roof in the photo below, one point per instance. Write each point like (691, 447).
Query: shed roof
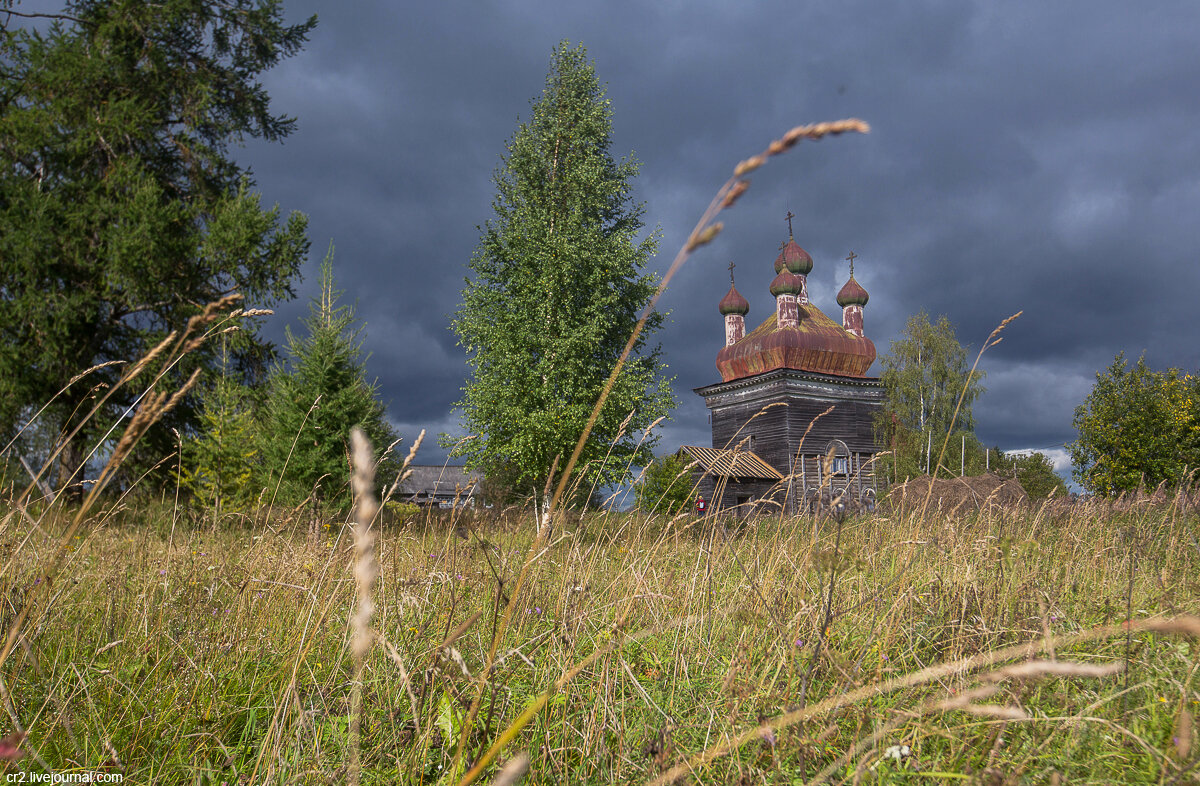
(732, 463)
(439, 480)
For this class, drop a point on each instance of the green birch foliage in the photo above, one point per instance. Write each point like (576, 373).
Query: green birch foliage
(1035, 472)
(1138, 427)
(121, 211)
(666, 485)
(924, 372)
(220, 464)
(558, 283)
(313, 400)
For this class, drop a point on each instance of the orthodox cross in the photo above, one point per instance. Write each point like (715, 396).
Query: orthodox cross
(852, 257)
(789, 218)
(731, 267)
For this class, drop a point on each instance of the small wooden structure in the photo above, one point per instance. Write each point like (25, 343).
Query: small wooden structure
(443, 485)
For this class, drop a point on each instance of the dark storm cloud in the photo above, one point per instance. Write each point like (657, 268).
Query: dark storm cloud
(1023, 156)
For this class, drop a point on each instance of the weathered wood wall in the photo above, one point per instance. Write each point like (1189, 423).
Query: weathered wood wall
(777, 415)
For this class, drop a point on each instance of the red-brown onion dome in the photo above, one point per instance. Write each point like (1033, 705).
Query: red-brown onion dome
(734, 303)
(794, 259)
(818, 345)
(852, 294)
(787, 283)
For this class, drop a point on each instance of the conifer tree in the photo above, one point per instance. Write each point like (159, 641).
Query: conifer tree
(558, 283)
(313, 400)
(220, 463)
(122, 212)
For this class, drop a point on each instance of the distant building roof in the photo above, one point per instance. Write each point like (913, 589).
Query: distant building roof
(439, 483)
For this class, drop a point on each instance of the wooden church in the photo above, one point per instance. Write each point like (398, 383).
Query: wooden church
(793, 417)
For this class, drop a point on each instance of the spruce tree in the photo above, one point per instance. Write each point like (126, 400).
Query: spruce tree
(558, 283)
(122, 212)
(313, 400)
(220, 462)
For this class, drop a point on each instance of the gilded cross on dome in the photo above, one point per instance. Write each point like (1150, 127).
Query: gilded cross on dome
(789, 218)
(852, 257)
(731, 267)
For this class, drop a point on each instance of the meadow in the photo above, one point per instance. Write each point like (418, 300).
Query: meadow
(1056, 644)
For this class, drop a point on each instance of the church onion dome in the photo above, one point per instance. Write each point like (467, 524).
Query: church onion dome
(794, 258)
(852, 294)
(734, 303)
(787, 283)
(818, 345)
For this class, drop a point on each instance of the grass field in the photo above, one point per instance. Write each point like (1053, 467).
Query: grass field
(180, 650)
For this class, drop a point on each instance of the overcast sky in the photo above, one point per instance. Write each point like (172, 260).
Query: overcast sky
(1039, 156)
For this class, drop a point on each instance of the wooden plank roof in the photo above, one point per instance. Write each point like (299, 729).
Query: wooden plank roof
(732, 463)
(441, 481)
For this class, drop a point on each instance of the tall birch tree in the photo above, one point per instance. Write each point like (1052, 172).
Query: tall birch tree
(557, 284)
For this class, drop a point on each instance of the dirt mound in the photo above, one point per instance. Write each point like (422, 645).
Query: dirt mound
(957, 494)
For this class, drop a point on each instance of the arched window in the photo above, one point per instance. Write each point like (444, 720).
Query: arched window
(841, 458)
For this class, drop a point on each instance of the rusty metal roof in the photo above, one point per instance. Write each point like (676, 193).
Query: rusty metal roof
(819, 344)
(732, 463)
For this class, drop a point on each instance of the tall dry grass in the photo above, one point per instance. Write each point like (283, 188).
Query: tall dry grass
(638, 649)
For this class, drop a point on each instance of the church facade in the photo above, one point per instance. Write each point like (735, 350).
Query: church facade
(793, 417)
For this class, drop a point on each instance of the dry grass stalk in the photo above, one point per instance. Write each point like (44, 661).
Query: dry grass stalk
(366, 570)
(512, 771)
(1183, 733)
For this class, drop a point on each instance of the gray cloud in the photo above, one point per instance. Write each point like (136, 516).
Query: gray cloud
(1024, 156)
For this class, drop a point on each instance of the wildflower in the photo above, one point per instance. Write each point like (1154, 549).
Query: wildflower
(162, 572)
(799, 642)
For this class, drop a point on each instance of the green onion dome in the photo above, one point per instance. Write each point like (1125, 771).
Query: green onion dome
(852, 294)
(794, 259)
(787, 283)
(734, 303)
